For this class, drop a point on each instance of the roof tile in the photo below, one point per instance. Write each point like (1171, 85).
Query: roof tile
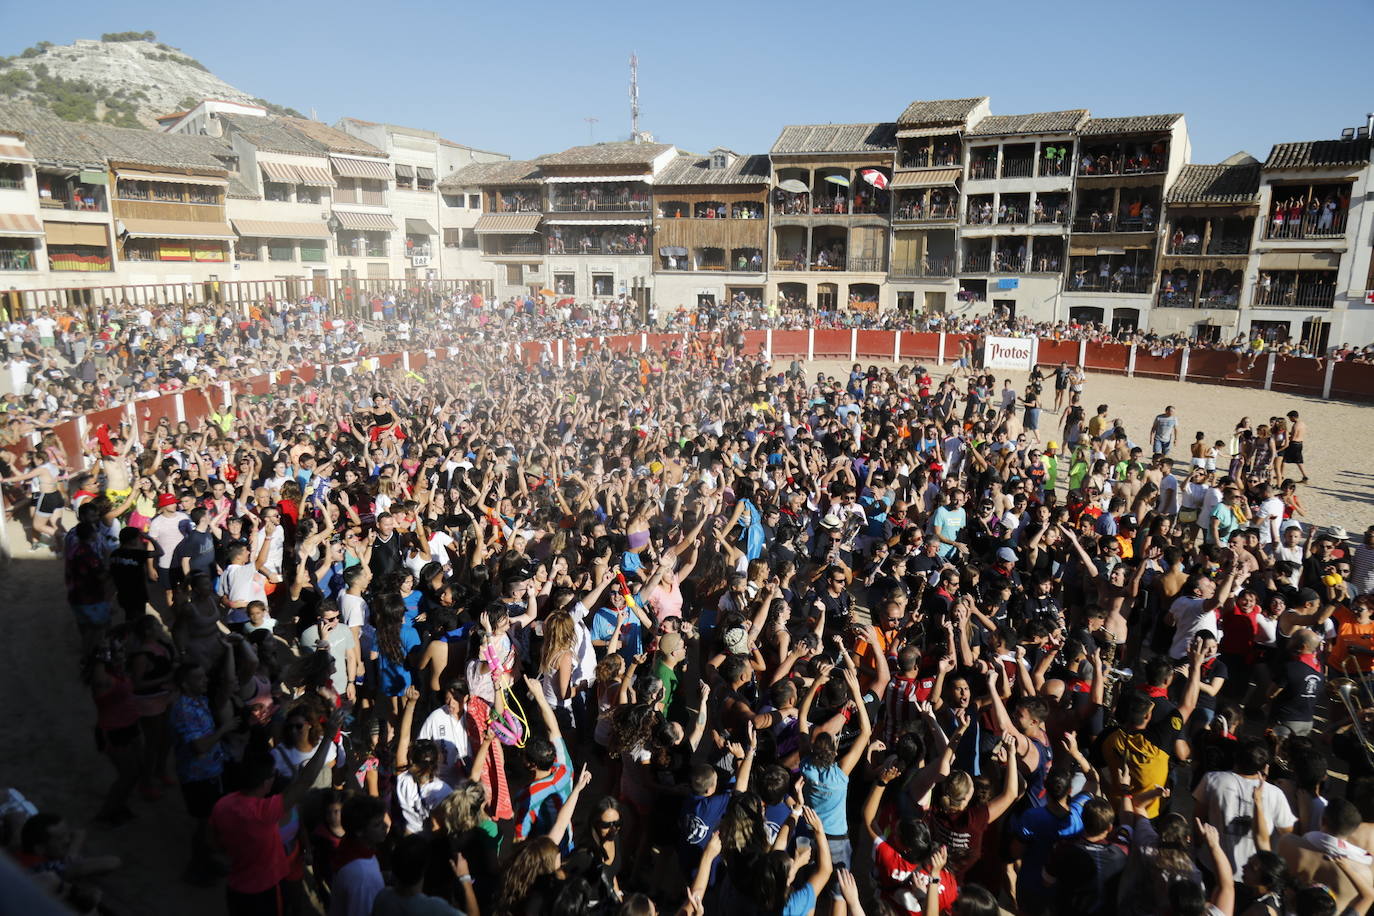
(1222, 184)
(1040, 122)
(502, 172)
(1318, 154)
(618, 153)
(837, 138)
(1135, 124)
(939, 111)
(688, 169)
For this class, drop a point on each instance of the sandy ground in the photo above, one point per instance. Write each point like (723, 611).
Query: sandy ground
(51, 755)
(1340, 440)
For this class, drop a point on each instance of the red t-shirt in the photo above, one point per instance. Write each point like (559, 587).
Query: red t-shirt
(962, 833)
(1238, 631)
(894, 876)
(247, 830)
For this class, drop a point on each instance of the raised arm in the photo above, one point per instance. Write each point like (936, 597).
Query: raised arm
(856, 750)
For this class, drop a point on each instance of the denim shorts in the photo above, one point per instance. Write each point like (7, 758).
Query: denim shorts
(92, 615)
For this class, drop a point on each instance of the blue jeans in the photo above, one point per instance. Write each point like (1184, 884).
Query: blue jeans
(1162, 446)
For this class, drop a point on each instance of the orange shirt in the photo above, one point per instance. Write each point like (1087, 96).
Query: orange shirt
(1349, 632)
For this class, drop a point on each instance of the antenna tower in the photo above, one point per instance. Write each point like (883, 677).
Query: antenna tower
(591, 129)
(634, 96)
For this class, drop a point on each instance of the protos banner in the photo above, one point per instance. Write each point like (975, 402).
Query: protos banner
(1007, 353)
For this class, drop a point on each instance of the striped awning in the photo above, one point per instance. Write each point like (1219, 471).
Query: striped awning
(314, 176)
(929, 178)
(10, 152)
(272, 229)
(177, 229)
(360, 168)
(405, 171)
(424, 173)
(279, 171)
(20, 225)
(172, 178)
(370, 222)
(508, 223)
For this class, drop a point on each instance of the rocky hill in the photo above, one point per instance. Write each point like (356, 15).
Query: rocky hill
(125, 78)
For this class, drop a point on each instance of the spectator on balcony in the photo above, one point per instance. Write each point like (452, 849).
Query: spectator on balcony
(1328, 215)
(1147, 217)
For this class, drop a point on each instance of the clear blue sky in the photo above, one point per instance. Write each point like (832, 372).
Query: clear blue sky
(521, 77)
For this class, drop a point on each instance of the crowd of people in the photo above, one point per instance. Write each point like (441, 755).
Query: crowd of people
(688, 631)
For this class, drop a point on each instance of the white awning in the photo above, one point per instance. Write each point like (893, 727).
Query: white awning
(12, 152)
(171, 178)
(596, 222)
(20, 225)
(347, 167)
(586, 179)
(279, 172)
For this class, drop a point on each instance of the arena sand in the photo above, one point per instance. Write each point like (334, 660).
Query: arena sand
(50, 750)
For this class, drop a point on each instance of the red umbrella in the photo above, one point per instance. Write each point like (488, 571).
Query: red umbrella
(875, 178)
(566, 300)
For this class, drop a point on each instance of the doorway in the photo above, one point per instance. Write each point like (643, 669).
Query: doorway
(1125, 321)
(1005, 308)
(1270, 331)
(906, 303)
(1315, 335)
(1086, 314)
(935, 303)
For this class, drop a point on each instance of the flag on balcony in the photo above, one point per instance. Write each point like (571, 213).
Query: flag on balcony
(875, 178)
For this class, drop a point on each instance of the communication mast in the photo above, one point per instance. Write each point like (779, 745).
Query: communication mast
(634, 96)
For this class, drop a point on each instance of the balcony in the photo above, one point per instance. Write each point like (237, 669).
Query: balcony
(17, 259)
(1008, 263)
(868, 265)
(419, 251)
(977, 263)
(359, 196)
(1055, 168)
(1013, 215)
(1105, 222)
(86, 199)
(1183, 299)
(1018, 168)
(520, 246)
(1322, 224)
(915, 211)
(982, 169)
(1296, 290)
(615, 204)
(11, 184)
(933, 268)
(1100, 161)
(925, 158)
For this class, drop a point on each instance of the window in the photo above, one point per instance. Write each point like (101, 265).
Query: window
(272, 190)
(514, 275)
(280, 250)
(474, 201)
(456, 201)
(718, 161)
(453, 238)
(405, 177)
(244, 250)
(563, 284)
(312, 250)
(470, 239)
(11, 176)
(603, 285)
(307, 194)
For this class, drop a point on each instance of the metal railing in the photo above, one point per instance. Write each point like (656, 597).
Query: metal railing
(868, 265)
(1058, 216)
(1055, 168)
(940, 267)
(603, 205)
(1018, 168)
(1111, 284)
(1186, 247)
(1012, 215)
(980, 170)
(977, 263)
(979, 217)
(1325, 224)
(916, 213)
(13, 184)
(1299, 296)
(1107, 222)
(1008, 264)
(926, 158)
(522, 247)
(1119, 164)
(16, 260)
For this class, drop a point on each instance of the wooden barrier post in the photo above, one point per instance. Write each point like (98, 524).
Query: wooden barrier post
(1130, 362)
(1330, 375)
(1035, 352)
(560, 353)
(1183, 366)
(897, 346)
(1269, 371)
(1083, 353)
(643, 342)
(405, 360)
(810, 344)
(853, 344)
(768, 344)
(940, 356)
(180, 407)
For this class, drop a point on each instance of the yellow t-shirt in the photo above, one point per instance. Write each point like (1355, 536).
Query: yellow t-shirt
(1148, 765)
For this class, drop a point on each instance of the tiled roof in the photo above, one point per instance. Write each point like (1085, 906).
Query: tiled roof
(268, 134)
(1133, 125)
(336, 141)
(837, 138)
(504, 172)
(1041, 122)
(1223, 184)
(1318, 154)
(690, 169)
(52, 140)
(619, 153)
(940, 111)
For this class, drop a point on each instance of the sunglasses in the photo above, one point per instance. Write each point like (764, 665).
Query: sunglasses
(611, 826)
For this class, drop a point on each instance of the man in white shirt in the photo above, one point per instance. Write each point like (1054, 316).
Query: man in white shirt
(166, 530)
(1269, 516)
(1226, 800)
(1196, 608)
(241, 584)
(273, 536)
(448, 727)
(352, 606)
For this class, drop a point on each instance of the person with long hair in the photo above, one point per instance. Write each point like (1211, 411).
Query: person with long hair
(530, 879)
(419, 787)
(556, 666)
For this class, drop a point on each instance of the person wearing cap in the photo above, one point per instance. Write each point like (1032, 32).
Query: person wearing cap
(166, 530)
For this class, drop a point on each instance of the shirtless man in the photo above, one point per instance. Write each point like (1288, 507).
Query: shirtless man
(48, 501)
(1292, 453)
(116, 468)
(1115, 593)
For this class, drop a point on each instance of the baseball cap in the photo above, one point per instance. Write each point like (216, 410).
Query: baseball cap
(1006, 553)
(669, 643)
(1307, 596)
